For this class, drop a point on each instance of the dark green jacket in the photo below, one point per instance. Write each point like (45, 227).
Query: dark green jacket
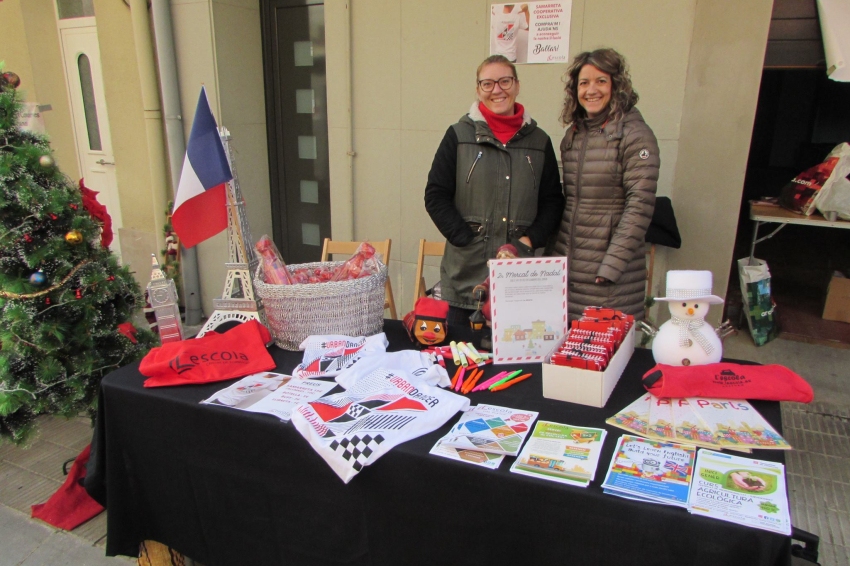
(482, 194)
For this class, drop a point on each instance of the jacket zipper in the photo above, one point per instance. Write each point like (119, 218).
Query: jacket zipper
(474, 163)
(533, 174)
(578, 195)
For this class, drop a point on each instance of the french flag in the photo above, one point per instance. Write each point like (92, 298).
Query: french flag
(200, 210)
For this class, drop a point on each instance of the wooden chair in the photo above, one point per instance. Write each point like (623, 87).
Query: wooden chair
(331, 247)
(426, 248)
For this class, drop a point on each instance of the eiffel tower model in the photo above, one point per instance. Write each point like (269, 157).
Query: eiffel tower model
(238, 301)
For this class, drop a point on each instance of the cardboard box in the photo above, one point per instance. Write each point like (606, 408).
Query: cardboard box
(583, 386)
(837, 305)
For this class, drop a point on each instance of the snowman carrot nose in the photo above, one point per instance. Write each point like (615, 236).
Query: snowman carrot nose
(690, 310)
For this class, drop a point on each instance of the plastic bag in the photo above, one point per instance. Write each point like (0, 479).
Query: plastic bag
(834, 196)
(823, 187)
(758, 302)
(363, 263)
(274, 268)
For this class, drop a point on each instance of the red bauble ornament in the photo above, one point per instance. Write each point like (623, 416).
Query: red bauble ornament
(47, 301)
(78, 294)
(27, 238)
(111, 278)
(53, 216)
(10, 79)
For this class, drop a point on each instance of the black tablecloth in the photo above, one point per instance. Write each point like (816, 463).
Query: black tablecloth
(227, 487)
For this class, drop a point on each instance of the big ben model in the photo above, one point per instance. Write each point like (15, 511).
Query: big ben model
(162, 294)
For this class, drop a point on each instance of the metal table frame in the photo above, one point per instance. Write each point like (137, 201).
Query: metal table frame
(767, 214)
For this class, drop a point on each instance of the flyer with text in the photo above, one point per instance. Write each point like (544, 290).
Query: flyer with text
(740, 490)
(562, 453)
(528, 303)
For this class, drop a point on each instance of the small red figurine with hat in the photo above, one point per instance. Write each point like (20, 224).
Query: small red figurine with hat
(426, 323)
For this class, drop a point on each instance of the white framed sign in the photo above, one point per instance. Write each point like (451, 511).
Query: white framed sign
(528, 303)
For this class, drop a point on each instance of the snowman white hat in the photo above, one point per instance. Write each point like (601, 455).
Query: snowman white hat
(690, 286)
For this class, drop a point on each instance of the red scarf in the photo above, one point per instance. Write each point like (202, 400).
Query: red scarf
(503, 127)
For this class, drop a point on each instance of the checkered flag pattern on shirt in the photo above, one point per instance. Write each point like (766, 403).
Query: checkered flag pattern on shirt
(384, 408)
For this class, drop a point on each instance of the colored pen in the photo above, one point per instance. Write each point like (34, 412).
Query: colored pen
(459, 383)
(507, 378)
(470, 383)
(491, 381)
(454, 377)
(511, 382)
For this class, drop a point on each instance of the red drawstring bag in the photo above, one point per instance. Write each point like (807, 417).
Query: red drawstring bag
(728, 381)
(213, 357)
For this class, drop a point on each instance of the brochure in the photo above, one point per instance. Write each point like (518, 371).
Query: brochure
(562, 453)
(489, 428)
(740, 490)
(736, 424)
(635, 417)
(528, 299)
(477, 457)
(271, 393)
(651, 469)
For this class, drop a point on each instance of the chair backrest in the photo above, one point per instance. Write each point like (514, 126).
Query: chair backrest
(331, 247)
(426, 248)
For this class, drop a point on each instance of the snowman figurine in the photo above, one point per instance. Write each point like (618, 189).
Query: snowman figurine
(686, 339)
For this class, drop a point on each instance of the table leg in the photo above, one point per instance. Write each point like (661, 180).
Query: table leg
(753, 244)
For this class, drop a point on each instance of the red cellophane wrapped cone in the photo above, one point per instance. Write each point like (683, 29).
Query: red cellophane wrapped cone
(363, 263)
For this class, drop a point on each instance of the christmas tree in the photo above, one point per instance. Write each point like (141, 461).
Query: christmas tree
(65, 303)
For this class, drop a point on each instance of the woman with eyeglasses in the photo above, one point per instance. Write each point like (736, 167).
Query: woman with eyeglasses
(494, 181)
(610, 160)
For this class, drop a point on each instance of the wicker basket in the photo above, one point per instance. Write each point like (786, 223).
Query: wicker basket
(351, 308)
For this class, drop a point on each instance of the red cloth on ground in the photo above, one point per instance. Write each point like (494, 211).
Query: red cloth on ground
(70, 506)
(728, 381)
(503, 127)
(213, 357)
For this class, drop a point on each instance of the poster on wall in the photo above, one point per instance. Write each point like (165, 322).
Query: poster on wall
(528, 303)
(531, 32)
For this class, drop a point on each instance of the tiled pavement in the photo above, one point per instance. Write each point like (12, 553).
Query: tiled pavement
(818, 469)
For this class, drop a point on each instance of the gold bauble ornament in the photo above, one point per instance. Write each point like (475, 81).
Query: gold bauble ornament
(45, 161)
(74, 237)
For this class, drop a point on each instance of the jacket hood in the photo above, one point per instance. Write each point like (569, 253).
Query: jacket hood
(482, 129)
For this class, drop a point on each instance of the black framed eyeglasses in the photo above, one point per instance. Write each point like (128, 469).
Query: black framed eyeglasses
(505, 83)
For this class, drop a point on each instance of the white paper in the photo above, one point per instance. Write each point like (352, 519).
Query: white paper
(271, 393)
(284, 399)
(834, 19)
(528, 302)
(740, 490)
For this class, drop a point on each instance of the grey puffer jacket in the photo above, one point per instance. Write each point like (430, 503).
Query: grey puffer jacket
(610, 178)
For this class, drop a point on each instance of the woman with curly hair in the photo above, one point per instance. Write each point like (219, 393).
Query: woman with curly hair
(610, 160)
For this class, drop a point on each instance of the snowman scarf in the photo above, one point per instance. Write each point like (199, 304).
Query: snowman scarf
(689, 328)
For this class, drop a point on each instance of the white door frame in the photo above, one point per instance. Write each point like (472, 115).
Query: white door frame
(78, 36)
